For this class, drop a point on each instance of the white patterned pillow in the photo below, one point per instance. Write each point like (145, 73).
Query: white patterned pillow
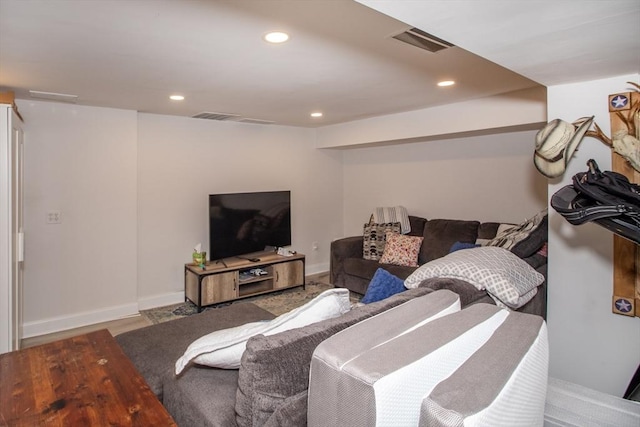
(509, 280)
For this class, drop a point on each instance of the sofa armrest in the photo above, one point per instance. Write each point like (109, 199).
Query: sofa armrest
(341, 249)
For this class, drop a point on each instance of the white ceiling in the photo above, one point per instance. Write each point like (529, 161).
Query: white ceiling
(549, 41)
(340, 59)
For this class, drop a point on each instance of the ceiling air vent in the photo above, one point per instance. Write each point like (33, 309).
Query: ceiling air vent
(216, 116)
(256, 121)
(423, 40)
(52, 96)
(230, 118)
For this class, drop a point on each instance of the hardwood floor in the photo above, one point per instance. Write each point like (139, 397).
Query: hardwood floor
(118, 326)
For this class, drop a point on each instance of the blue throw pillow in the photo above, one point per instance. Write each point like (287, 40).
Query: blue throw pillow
(462, 245)
(383, 285)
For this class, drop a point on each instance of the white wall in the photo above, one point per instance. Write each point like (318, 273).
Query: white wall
(489, 178)
(183, 160)
(520, 109)
(80, 161)
(589, 345)
(133, 191)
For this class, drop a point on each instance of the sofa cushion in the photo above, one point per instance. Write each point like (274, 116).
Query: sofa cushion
(487, 230)
(375, 237)
(526, 238)
(275, 368)
(368, 374)
(365, 269)
(155, 349)
(441, 234)
(383, 285)
(503, 383)
(202, 396)
(345, 365)
(224, 348)
(417, 225)
(401, 250)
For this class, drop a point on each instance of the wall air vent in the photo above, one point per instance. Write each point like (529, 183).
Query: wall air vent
(423, 40)
(227, 117)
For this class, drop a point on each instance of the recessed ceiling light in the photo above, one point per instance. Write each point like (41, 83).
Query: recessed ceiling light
(176, 98)
(316, 114)
(276, 37)
(445, 83)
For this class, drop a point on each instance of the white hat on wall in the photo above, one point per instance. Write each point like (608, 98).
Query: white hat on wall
(556, 143)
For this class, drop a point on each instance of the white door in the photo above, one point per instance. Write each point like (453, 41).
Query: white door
(17, 234)
(11, 161)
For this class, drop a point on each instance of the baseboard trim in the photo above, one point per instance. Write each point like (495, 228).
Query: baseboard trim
(161, 300)
(77, 320)
(316, 268)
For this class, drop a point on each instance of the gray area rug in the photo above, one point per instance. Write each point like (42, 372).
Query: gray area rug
(278, 303)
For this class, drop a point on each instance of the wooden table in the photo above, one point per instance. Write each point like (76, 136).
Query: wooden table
(82, 381)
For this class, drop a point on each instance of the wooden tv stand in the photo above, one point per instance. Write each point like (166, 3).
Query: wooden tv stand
(230, 279)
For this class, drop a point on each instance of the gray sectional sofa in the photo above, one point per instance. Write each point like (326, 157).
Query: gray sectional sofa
(269, 389)
(271, 386)
(348, 268)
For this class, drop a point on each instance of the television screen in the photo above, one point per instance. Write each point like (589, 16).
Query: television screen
(242, 223)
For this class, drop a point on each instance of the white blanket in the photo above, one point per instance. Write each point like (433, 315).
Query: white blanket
(394, 214)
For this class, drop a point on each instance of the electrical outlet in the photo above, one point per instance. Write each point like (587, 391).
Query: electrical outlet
(314, 246)
(54, 217)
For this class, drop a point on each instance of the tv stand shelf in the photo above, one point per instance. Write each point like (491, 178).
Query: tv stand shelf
(230, 279)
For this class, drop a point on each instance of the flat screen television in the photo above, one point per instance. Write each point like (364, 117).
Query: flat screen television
(243, 223)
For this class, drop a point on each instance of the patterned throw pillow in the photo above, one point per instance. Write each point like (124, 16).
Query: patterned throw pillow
(401, 250)
(374, 238)
(507, 279)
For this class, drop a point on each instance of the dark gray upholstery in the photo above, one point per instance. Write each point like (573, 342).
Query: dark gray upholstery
(347, 269)
(350, 270)
(274, 375)
(488, 230)
(342, 250)
(202, 396)
(274, 370)
(270, 388)
(155, 349)
(468, 293)
(440, 234)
